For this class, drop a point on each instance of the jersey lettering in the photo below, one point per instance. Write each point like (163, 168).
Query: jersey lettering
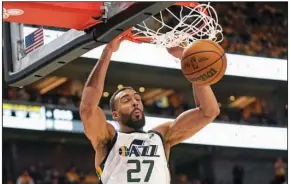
(138, 149)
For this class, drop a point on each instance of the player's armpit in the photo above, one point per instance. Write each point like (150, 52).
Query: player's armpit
(185, 126)
(162, 129)
(97, 130)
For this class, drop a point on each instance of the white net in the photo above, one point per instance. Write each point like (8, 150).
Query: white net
(191, 23)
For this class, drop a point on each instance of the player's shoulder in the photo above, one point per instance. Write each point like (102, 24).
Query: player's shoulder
(111, 129)
(163, 128)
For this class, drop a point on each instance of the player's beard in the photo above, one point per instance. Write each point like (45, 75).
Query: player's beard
(137, 124)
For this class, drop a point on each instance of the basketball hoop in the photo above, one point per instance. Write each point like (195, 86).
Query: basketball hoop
(179, 25)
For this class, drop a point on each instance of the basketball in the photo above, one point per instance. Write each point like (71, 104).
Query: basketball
(203, 62)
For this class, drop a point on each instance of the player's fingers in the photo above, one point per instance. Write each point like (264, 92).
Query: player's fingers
(116, 39)
(127, 32)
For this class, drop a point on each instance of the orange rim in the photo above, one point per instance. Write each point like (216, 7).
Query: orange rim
(130, 36)
(190, 4)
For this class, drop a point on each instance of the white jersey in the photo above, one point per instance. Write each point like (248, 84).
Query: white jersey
(135, 158)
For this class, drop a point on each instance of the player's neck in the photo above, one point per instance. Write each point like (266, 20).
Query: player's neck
(126, 129)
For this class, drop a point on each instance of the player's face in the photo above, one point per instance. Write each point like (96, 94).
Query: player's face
(129, 109)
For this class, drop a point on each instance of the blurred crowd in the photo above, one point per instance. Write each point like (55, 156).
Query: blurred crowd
(237, 116)
(253, 28)
(50, 175)
(227, 114)
(24, 95)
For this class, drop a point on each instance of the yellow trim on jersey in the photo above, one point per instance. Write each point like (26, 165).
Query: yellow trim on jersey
(123, 150)
(99, 171)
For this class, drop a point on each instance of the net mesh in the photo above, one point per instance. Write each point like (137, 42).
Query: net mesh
(180, 26)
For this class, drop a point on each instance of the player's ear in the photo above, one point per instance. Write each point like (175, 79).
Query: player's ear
(115, 115)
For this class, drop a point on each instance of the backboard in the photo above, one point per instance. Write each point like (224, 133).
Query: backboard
(93, 24)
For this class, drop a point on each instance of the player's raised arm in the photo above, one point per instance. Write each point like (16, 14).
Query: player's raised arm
(190, 122)
(93, 118)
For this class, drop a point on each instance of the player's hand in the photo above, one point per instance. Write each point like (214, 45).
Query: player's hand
(177, 52)
(113, 46)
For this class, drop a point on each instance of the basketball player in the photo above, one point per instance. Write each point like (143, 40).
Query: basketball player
(132, 155)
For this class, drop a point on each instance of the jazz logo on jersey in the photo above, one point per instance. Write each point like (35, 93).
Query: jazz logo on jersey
(138, 149)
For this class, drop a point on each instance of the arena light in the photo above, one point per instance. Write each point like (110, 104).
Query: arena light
(141, 89)
(119, 86)
(232, 98)
(105, 94)
(148, 54)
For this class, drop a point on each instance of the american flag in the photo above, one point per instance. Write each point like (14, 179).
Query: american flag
(34, 40)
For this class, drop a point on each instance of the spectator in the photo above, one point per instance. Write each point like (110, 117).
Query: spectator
(72, 176)
(23, 95)
(24, 178)
(196, 181)
(63, 100)
(280, 171)
(182, 179)
(9, 181)
(12, 93)
(238, 174)
(91, 178)
(48, 175)
(35, 175)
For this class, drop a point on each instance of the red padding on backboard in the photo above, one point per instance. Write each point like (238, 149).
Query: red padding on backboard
(74, 15)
